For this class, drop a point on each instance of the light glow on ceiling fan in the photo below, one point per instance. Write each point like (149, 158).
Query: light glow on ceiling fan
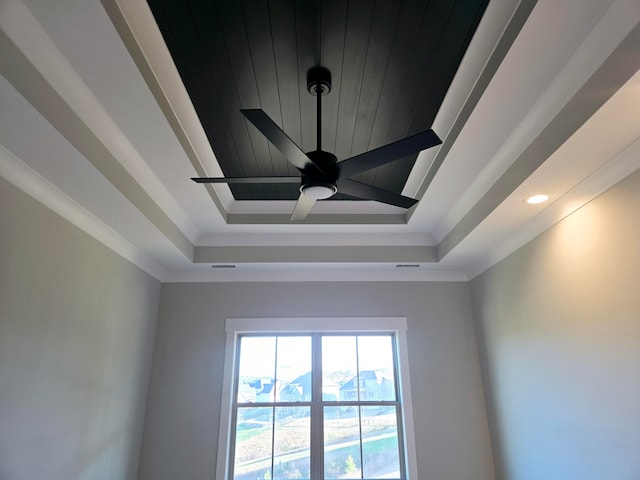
(319, 192)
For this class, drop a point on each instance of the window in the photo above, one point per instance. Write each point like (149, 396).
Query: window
(316, 399)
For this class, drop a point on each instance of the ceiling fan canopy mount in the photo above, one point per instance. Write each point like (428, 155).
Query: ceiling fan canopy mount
(319, 81)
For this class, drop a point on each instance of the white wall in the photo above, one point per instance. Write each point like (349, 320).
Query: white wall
(181, 432)
(560, 320)
(77, 324)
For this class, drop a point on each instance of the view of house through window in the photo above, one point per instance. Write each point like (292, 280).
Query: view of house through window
(312, 406)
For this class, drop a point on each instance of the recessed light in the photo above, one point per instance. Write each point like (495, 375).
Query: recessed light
(223, 266)
(536, 199)
(408, 265)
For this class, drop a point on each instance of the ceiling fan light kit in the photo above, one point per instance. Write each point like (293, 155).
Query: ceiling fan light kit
(319, 192)
(321, 175)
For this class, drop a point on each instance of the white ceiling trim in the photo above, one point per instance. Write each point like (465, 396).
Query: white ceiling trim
(475, 64)
(621, 166)
(334, 207)
(30, 182)
(599, 44)
(594, 92)
(28, 36)
(138, 29)
(316, 254)
(326, 239)
(19, 68)
(312, 273)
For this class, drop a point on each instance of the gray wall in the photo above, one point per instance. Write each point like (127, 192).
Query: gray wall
(77, 324)
(560, 319)
(181, 432)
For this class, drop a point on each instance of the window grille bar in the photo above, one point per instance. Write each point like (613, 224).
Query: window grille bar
(317, 413)
(325, 403)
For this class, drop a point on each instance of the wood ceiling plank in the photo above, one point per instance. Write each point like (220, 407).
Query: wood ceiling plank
(423, 68)
(403, 56)
(333, 24)
(189, 46)
(307, 17)
(283, 31)
(259, 34)
(393, 176)
(403, 53)
(358, 31)
(252, 146)
(420, 73)
(437, 72)
(213, 89)
(464, 17)
(383, 30)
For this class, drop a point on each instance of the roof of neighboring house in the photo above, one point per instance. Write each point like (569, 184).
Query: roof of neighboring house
(367, 375)
(262, 386)
(291, 389)
(304, 381)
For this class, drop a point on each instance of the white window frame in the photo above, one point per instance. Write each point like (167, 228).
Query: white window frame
(238, 326)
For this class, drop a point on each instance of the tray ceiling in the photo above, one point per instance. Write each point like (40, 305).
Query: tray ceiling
(105, 120)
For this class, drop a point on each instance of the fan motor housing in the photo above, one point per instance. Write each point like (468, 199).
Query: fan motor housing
(326, 175)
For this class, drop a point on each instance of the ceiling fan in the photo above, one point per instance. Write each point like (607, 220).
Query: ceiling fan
(321, 175)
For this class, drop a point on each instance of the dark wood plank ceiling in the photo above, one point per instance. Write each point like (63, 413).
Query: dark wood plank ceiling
(391, 64)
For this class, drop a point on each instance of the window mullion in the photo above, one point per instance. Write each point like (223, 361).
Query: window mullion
(317, 435)
(399, 423)
(273, 408)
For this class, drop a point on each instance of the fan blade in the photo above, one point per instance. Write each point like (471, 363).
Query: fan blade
(369, 192)
(246, 179)
(278, 138)
(388, 153)
(303, 206)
